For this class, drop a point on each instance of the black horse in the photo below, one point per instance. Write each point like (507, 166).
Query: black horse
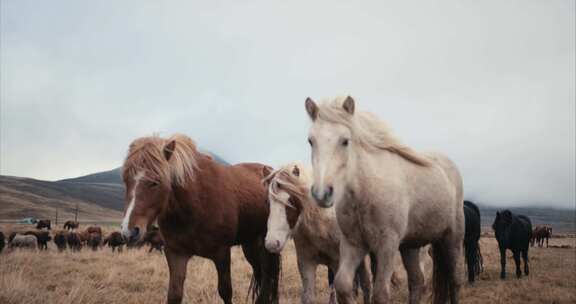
(472, 253)
(513, 232)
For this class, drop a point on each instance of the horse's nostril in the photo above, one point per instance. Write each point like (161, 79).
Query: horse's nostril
(313, 193)
(277, 244)
(329, 191)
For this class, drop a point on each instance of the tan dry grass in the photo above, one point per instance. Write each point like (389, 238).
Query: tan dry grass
(138, 277)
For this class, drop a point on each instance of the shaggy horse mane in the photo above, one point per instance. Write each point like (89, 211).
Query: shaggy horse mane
(297, 186)
(148, 154)
(370, 132)
(283, 178)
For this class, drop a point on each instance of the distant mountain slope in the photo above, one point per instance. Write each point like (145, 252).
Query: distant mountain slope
(25, 197)
(100, 196)
(113, 176)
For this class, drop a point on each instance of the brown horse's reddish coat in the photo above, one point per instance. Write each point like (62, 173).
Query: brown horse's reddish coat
(218, 207)
(225, 206)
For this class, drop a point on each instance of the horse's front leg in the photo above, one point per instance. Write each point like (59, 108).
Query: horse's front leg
(365, 281)
(350, 258)
(385, 257)
(411, 261)
(331, 275)
(177, 267)
(307, 270)
(503, 263)
(222, 263)
(517, 262)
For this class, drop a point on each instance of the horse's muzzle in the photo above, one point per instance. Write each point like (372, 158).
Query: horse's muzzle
(131, 235)
(323, 198)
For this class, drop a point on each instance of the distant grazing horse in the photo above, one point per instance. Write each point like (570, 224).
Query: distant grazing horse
(315, 231)
(387, 197)
(2, 241)
(203, 208)
(540, 234)
(71, 225)
(94, 240)
(115, 240)
(513, 232)
(472, 253)
(60, 240)
(11, 236)
(154, 239)
(94, 229)
(42, 238)
(43, 224)
(73, 240)
(23, 241)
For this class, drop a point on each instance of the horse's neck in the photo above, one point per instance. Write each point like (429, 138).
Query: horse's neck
(364, 164)
(315, 223)
(183, 198)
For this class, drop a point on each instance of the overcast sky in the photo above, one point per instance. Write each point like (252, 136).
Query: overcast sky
(490, 83)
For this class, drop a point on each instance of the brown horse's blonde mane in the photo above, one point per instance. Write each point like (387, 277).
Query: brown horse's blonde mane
(368, 130)
(147, 154)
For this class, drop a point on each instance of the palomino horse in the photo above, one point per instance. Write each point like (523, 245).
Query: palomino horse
(315, 231)
(202, 208)
(387, 197)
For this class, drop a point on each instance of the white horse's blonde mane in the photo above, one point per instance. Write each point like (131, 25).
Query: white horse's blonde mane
(370, 132)
(147, 154)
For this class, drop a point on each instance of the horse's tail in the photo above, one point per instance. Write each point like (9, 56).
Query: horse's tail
(473, 258)
(265, 288)
(442, 281)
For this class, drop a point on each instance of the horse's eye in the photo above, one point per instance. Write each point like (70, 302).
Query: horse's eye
(345, 142)
(153, 184)
(278, 185)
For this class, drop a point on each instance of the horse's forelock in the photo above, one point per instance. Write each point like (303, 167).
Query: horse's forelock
(289, 183)
(147, 155)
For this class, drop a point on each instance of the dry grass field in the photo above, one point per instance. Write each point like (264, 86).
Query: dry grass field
(135, 276)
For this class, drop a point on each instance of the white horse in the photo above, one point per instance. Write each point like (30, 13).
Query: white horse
(315, 231)
(387, 197)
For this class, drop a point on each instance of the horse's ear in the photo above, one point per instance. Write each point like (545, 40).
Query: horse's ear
(266, 171)
(348, 105)
(311, 108)
(169, 149)
(296, 171)
(497, 213)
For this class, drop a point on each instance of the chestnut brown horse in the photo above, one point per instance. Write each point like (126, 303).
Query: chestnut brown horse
(202, 208)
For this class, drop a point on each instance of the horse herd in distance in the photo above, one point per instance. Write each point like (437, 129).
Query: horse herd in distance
(72, 238)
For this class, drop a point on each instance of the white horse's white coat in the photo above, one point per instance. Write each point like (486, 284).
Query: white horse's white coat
(387, 196)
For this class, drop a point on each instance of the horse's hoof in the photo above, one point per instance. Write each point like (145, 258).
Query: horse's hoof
(503, 276)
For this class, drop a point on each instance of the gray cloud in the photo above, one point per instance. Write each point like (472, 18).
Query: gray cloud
(489, 83)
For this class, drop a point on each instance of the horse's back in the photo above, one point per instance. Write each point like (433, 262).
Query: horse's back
(472, 206)
(451, 172)
(525, 223)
